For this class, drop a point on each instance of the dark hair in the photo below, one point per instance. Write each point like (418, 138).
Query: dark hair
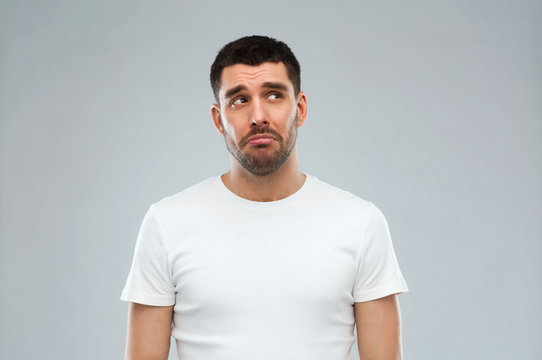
(255, 50)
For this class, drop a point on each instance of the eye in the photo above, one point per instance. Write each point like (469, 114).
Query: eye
(238, 101)
(274, 96)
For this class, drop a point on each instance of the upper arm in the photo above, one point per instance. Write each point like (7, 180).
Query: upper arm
(378, 324)
(149, 332)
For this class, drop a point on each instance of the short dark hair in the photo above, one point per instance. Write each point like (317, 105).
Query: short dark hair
(255, 50)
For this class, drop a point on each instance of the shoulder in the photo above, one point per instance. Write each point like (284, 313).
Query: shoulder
(340, 199)
(190, 198)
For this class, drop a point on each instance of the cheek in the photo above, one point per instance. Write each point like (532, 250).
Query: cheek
(282, 116)
(289, 118)
(231, 130)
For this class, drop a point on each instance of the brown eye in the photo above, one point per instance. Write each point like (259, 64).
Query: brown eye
(238, 101)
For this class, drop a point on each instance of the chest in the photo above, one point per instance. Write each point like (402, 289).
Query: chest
(238, 265)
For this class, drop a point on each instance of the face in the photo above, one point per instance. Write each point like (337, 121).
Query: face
(259, 115)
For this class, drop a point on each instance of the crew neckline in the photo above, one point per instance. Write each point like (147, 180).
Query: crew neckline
(227, 193)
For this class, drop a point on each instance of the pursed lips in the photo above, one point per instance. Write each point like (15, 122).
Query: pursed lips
(260, 139)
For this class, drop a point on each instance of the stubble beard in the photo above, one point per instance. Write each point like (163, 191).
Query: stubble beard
(257, 162)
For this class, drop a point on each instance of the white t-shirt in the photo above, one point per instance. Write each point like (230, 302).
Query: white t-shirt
(263, 280)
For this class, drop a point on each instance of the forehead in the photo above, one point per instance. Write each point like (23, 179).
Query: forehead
(254, 76)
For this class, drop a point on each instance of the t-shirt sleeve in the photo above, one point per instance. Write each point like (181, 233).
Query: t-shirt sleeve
(378, 273)
(150, 281)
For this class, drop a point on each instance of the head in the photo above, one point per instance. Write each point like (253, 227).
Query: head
(259, 104)
(255, 50)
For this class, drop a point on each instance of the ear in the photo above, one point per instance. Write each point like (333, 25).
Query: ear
(301, 108)
(217, 120)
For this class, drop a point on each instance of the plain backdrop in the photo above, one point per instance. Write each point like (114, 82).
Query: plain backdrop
(430, 109)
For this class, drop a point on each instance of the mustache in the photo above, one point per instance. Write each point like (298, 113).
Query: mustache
(259, 131)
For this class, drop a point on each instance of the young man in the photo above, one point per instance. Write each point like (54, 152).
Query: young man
(264, 261)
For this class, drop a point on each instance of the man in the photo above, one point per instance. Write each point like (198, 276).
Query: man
(264, 261)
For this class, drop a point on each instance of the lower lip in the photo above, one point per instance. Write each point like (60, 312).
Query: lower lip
(261, 141)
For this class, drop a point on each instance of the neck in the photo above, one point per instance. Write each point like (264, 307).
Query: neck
(280, 184)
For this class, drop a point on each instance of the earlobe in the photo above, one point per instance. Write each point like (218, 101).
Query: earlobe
(301, 108)
(217, 120)
(220, 125)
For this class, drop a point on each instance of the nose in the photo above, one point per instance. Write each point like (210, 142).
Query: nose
(258, 114)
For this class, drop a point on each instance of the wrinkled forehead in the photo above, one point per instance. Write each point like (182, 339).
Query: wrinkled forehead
(254, 76)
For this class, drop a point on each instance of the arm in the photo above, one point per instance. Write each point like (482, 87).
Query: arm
(378, 324)
(149, 332)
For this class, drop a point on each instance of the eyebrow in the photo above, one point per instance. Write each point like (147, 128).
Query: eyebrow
(275, 85)
(234, 91)
(271, 85)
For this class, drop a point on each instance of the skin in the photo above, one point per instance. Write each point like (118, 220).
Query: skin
(378, 324)
(149, 332)
(260, 107)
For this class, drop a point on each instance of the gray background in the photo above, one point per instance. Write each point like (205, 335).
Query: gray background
(430, 109)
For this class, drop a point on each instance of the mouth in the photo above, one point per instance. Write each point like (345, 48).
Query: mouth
(260, 139)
